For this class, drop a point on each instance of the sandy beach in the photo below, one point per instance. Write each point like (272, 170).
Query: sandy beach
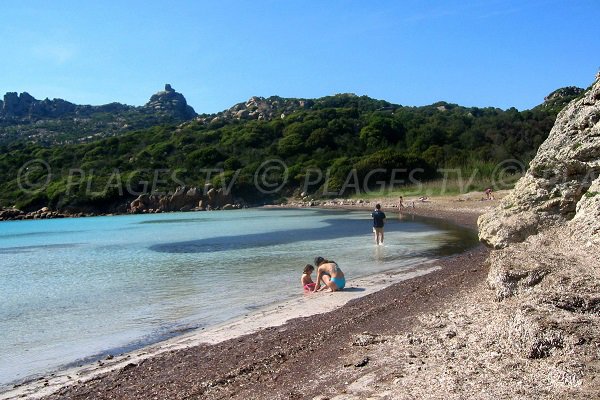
(315, 345)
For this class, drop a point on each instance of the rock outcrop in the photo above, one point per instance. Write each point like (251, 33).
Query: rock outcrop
(15, 105)
(8, 214)
(559, 98)
(546, 269)
(170, 102)
(260, 108)
(564, 93)
(25, 108)
(185, 199)
(559, 178)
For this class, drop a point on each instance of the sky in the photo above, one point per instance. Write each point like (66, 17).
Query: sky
(495, 53)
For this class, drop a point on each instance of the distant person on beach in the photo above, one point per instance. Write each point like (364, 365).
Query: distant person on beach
(306, 280)
(330, 274)
(378, 223)
(488, 194)
(401, 203)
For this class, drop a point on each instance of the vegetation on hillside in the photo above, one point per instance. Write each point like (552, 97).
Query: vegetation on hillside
(351, 143)
(78, 129)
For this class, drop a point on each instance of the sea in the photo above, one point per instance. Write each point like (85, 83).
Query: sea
(75, 290)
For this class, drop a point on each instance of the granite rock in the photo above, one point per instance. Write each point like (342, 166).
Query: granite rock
(170, 102)
(558, 185)
(184, 199)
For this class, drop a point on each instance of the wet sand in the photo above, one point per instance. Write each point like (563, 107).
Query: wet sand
(263, 356)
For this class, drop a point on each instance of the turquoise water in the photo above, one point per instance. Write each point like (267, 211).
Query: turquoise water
(75, 289)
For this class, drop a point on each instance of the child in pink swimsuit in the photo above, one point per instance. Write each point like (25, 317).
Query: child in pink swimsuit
(306, 280)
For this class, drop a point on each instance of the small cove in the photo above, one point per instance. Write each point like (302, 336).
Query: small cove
(75, 289)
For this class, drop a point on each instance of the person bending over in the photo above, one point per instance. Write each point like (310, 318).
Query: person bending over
(330, 274)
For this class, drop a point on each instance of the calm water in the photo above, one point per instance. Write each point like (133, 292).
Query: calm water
(75, 289)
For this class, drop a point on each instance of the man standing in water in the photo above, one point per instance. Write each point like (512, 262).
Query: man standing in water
(378, 222)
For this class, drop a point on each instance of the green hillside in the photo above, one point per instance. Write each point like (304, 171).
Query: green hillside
(335, 135)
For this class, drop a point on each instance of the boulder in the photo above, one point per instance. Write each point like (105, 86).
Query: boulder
(193, 195)
(242, 114)
(177, 199)
(211, 194)
(183, 199)
(10, 213)
(509, 228)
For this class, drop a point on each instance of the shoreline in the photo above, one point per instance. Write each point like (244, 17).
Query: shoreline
(13, 214)
(267, 319)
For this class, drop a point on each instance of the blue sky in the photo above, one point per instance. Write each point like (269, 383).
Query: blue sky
(474, 53)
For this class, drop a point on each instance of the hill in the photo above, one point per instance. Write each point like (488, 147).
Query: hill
(56, 122)
(335, 145)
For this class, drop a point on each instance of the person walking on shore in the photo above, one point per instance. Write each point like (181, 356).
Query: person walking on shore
(401, 203)
(378, 223)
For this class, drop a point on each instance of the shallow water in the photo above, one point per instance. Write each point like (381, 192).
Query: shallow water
(76, 289)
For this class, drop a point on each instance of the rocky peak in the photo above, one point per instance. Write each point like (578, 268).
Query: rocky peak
(27, 108)
(170, 102)
(15, 105)
(559, 98)
(24, 108)
(565, 92)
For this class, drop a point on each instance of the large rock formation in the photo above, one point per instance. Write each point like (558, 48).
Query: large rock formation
(546, 269)
(559, 178)
(15, 105)
(549, 225)
(170, 102)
